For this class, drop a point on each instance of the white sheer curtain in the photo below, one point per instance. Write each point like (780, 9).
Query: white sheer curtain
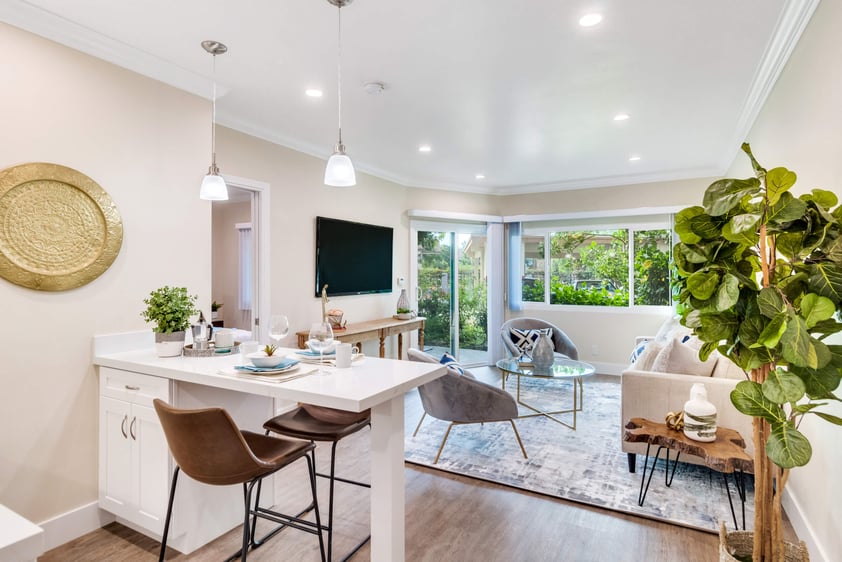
(246, 282)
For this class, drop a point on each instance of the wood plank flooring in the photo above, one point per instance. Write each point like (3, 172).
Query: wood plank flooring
(448, 518)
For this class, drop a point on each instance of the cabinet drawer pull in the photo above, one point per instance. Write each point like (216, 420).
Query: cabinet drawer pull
(131, 429)
(129, 387)
(123, 426)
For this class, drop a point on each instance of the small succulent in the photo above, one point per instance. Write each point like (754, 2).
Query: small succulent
(269, 350)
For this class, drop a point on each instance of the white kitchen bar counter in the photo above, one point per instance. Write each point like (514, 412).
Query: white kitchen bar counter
(379, 384)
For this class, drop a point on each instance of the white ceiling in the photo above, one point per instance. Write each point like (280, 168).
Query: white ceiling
(517, 91)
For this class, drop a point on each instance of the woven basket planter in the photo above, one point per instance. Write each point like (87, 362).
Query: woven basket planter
(741, 543)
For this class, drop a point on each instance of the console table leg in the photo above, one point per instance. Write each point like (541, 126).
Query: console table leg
(382, 346)
(400, 346)
(421, 337)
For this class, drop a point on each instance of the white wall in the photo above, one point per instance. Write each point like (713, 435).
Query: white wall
(800, 127)
(146, 145)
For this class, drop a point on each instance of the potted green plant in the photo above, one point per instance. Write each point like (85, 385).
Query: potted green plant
(215, 306)
(169, 309)
(760, 280)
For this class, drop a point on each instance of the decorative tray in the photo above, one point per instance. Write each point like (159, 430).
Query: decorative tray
(211, 351)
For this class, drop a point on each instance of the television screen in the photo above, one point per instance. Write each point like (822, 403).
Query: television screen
(352, 258)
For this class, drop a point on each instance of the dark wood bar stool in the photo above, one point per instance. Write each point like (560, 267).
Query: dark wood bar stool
(316, 423)
(209, 447)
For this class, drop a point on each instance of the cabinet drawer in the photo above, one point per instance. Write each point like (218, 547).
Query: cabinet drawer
(132, 387)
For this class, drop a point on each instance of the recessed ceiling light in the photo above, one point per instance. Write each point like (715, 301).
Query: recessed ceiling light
(313, 93)
(634, 158)
(424, 148)
(590, 20)
(621, 117)
(480, 176)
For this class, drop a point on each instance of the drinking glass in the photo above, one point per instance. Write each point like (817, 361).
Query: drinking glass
(278, 328)
(321, 338)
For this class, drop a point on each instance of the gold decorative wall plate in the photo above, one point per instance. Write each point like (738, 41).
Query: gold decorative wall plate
(58, 228)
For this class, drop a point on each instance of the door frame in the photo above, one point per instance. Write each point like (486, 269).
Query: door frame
(262, 301)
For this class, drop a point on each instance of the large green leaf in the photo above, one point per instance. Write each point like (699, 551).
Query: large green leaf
(833, 251)
(815, 308)
(786, 210)
(778, 180)
(702, 284)
(742, 229)
(728, 293)
(682, 225)
(770, 302)
(773, 331)
(723, 195)
(796, 344)
(748, 398)
(826, 327)
(783, 387)
(692, 253)
(829, 417)
(824, 198)
(826, 279)
(819, 384)
(787, 447)
(717, 326)
(791, 244)
(706, 227)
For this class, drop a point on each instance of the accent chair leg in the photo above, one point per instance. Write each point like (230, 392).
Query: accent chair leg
(519, 442)
(169, 514)
(417, 427)
(443, 441)
(632, 462)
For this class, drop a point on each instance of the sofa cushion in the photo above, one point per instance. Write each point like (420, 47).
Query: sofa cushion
(524, 340)
(682, 357)
(648, 355)
(334, 415)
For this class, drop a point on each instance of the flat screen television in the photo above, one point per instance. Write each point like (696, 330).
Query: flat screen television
(353, 258)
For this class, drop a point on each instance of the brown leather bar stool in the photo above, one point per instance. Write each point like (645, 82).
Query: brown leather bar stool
(209, 447)
(316, 423)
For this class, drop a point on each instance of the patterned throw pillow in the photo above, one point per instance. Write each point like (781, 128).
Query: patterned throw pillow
(525, 339)
(638, 351)
(452, 365)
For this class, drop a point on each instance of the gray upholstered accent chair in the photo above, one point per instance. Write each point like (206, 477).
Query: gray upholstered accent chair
(563, 345)
(461, 399)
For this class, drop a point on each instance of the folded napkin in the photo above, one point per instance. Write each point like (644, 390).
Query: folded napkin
(286, 363)
(311, 353)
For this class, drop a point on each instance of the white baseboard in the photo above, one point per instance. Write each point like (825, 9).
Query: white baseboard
(73, 524)
(802, 527)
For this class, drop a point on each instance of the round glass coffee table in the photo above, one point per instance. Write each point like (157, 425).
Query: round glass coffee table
(561, 369)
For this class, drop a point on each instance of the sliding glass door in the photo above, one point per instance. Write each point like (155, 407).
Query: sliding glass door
(452, 289)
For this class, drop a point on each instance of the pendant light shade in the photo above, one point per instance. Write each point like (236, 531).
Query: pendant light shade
(339, 171)
(213, 186)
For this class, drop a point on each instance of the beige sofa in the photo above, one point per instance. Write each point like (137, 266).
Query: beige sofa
(649, 393)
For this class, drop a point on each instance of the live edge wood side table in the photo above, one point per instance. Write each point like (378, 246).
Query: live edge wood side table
(726, 455)
(379, 329)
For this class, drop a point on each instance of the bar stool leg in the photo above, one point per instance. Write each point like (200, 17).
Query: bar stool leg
(169, 514)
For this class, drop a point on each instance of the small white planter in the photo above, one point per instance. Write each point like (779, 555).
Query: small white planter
(169, 345)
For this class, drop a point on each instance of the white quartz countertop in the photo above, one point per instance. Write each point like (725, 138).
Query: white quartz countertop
(367, 382)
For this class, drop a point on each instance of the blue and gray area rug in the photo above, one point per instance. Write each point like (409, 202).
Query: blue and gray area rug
(585, 465)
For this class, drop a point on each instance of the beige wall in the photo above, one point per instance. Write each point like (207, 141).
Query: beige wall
(800, 127)
(146, 144)
(226, 260)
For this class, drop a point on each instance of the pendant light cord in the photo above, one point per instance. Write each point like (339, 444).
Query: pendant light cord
(339, 68)
(213, 120)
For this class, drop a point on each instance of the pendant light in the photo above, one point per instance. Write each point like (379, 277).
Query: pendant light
(340, 170)
(213, 186)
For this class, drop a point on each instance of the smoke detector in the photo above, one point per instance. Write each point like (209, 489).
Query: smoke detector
(374, 88)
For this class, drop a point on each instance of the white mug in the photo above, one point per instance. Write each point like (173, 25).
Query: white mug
(345, 353)
(223, 338)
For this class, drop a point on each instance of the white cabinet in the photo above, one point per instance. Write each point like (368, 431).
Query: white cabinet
(133, 456)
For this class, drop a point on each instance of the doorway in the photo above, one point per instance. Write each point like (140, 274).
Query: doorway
(452, 289)
(240, 246)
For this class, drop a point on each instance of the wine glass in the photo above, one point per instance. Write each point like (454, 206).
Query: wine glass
(278, 328)
(321, 338)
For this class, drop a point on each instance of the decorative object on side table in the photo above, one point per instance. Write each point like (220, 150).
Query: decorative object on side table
(543, 354)
(215, 306)
(759, 281)
(169, 309)
(699, 415)
(61, 230)
(402, 309)
(675, 420)
(334, 316)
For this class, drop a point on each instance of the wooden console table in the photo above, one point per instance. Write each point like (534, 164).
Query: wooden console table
(378, 329)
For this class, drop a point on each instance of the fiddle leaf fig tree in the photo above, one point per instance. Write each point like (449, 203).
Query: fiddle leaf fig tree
(760, 281)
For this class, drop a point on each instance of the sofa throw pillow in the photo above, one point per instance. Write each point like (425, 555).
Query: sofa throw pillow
(524, 340)
(452, 364)
(683, 359)
(647, 357)
(638, 351)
